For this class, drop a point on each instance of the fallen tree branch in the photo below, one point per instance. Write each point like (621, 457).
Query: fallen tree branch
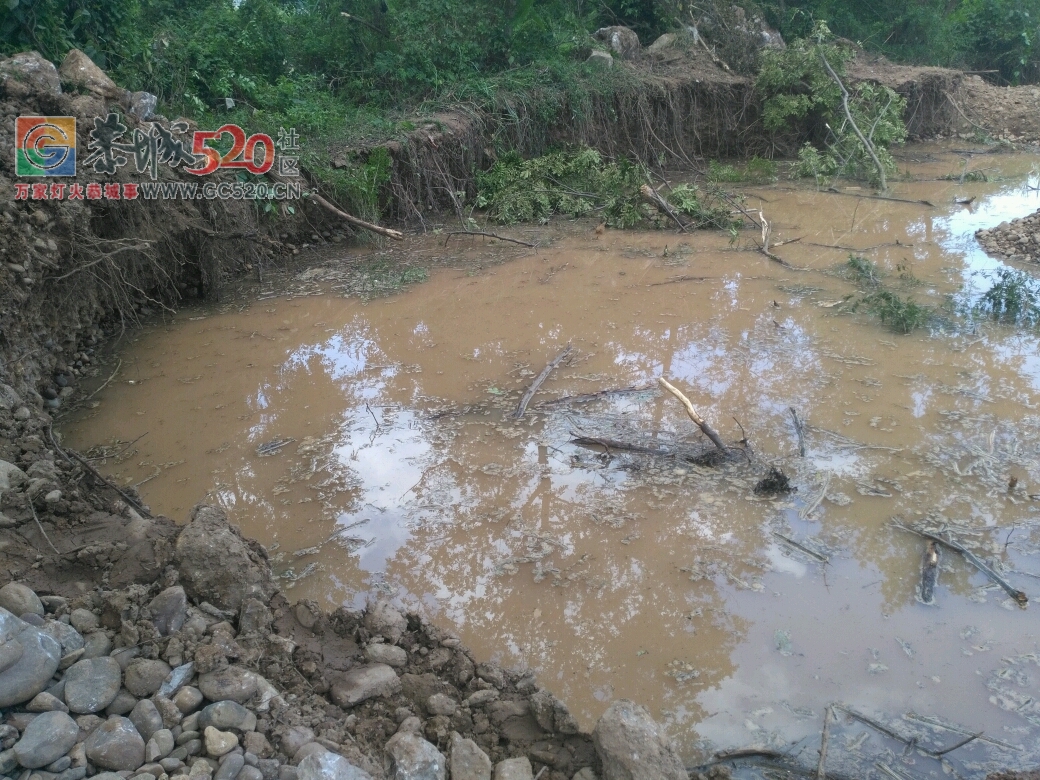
(40, 526)
(798, 546)
(653, 197)
(110, 378)
(614, 444)
(879, 197)
(587, 397)
(538, 380)
(705, 428)
(487, 235)
(971, 558)
(799, 431)
(397, 235)
(929, 573)
(848, 115)
(821, 773)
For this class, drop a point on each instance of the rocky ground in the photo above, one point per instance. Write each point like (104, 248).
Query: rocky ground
(1017, 240)
(133, 648)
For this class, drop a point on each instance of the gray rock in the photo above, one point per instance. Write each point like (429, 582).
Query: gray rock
(631, 746)
(385, 620)
(159, 745)
(19, 599)
(79, 70)
(11, 477)
(254, 618)
(514, 769)
(69, 638)
(142, 105)
(144, 676)
(46, 702)
(295, 738)
(493, 674)
(123, 703)
(31, 660)
(251, 773)
(115, 745)
(74, 773)
(188, 699)
(227, 715)
(621, 40)
(216, 565)
(310, 749)
(146, 718)
(231, 684)
(59, 765)
(365, 682)
(467, 760)
(46, 739)
(441, 704)
(9, 398)
(177, 679)
(171, 716)
(479, 698)
(92, 684)
(219, 742)
(413, 758)
(230, 767)
(391, 655)
(84, 621)
(169, 610)
(327, 766)
(8, 762)
(600, 59)
(96, 645)
(585, 774)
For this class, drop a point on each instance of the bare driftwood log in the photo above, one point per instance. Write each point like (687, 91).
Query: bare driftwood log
(705, 428)
(487, 235)
(929, 572)
(538, 380)
(397, 235)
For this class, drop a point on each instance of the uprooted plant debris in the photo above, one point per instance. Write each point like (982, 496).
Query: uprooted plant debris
(773, 483)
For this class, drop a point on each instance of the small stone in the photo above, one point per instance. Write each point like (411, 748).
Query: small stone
(231, 684)
(250, 773)
(22, 413)
(30, 658)
(467, 760)
(123, 703)
(69, 638)
(413, 758)
(45, 702)
(176, 679)
(256, 743)
(169, 610)
(144, 676)
(327, 766)
(385, 620)
(146, 718)
(188, 699)
(53, 497)
(227, 715)
(230, 767)
(20, 600)
(160, 745)
(288, 773)
(441, 704)
(254, 618)
(365, 682)
(115, 745)
(8, 762)
(632, 745)
(391, 655)
(295, 738)
(482, 697)
(171, 716)
(516, 769)
(84, 621)
(59, 766)
(171, 765)
(92, 684)
(310, 749)
(46, 739)
(219, 742)
(96, 645)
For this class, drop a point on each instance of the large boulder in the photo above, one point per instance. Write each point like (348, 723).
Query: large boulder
(217, 565)
(620, 40)
(78, 70)
(632, 746)
(28, 660)
(28, 74)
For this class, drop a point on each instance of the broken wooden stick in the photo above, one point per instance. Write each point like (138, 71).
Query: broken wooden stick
(487, 235)
(538, 380)
(848, 115)
(767, 233)
(705, 428)
(96, 474)
(614, 444)
(585, 398)
(653, 197)
(799, 431)
(821, 773)
(970, 557)
(929, 573)
(799, 546)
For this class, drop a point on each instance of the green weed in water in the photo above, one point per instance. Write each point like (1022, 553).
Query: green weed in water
(863, 271)
(1014, 299)
(903, 315)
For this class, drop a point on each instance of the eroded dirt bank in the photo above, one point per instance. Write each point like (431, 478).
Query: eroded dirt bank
(110, 576)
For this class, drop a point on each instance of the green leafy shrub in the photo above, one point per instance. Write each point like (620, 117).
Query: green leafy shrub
(1013, 299)
(902, 315)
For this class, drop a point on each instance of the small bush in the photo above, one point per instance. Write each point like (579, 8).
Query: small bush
(903, 315)
(1013, 299)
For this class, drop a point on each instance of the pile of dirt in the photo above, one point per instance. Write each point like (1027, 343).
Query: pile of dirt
(1017, 240)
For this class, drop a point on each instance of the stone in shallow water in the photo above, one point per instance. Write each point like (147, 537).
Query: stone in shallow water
(46, 739)
(31, 657)
(92, 684)
(115, 745)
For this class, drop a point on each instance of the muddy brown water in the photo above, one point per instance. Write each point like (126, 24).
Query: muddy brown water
(625, 575)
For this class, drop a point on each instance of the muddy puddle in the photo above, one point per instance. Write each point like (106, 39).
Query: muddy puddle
(370, 446)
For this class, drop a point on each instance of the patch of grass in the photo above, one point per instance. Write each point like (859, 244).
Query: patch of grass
(757, 170)
(902, 315)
